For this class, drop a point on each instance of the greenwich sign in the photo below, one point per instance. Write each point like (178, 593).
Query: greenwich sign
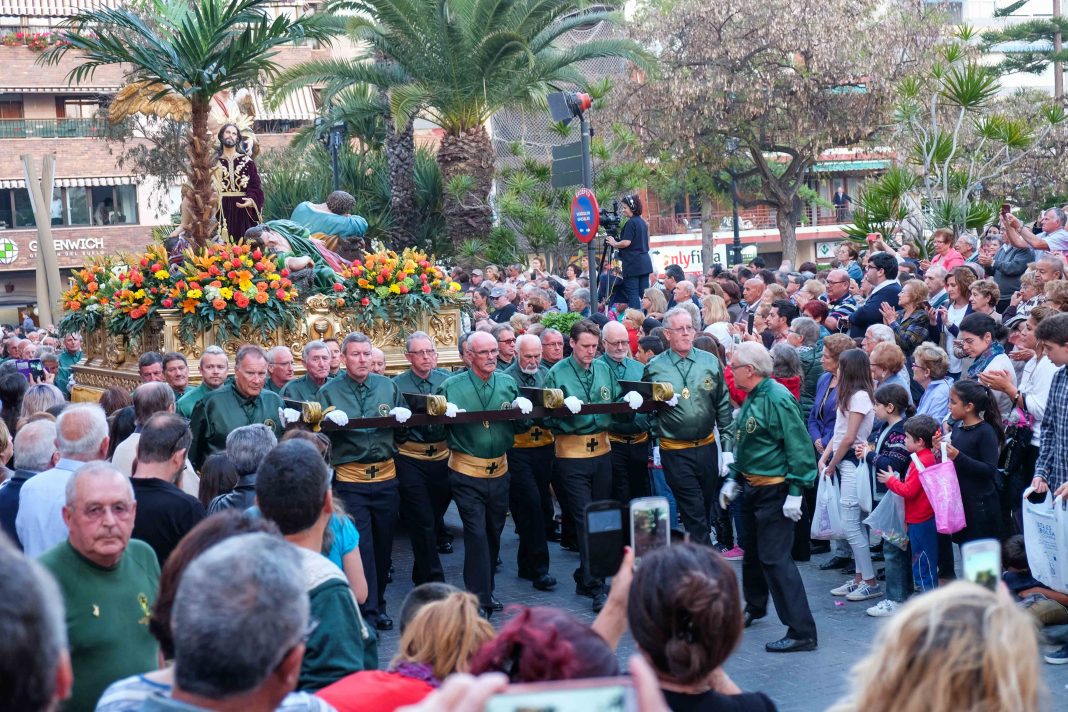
(73, 245)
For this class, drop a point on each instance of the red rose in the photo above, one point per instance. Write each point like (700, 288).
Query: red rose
(257, 255)
(426, 289)
(168, 303)
(144, 262)
(157, 267)
(338, 287)
(380, 279)
(365, 301)
(285, 272)
(281, 294)
(403, 289)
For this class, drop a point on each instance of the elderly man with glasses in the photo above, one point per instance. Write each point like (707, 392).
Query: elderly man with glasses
(773, 463)
(842, 304)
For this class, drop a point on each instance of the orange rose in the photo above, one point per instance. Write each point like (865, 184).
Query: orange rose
(219, 304)
(262, 297)
(241, 300)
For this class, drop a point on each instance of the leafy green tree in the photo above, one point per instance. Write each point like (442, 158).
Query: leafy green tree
(190, 49)
(457, 62)
(1029, 46)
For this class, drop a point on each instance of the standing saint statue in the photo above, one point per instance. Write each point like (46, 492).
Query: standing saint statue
(238, 182)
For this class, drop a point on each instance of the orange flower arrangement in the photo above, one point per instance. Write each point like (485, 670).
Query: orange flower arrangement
(389, 286)
(143, 283)
(88, 300)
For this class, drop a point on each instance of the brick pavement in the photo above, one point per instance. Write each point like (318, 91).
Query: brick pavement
(798, 682)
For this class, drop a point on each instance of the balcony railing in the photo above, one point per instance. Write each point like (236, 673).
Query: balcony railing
(761, 218)
(51, 128)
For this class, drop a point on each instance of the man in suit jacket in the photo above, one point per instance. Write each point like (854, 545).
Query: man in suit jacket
(882, 275)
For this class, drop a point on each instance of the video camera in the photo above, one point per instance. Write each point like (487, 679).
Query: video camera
(610, 219)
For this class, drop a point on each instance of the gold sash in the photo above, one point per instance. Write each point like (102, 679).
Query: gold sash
(763, 480)
(486, 468)
(366, 472)
(628, 439)
(432, 452)
(582, 446)
(528, 439)
(672, 444)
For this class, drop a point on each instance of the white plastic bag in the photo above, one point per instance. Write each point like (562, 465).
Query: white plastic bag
(864, 487)
(827, 520)
(1046, 540)
(887, 520)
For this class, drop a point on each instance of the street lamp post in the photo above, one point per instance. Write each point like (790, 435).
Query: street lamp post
(735, 256)
(332, 140)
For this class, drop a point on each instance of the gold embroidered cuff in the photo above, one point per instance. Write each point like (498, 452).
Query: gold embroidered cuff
(366, 472)
(485, 468)
(582, 446)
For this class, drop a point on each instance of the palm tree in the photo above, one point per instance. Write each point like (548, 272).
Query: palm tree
(192, 49)
(457, 62)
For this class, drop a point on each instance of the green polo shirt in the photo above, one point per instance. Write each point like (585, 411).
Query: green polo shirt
(701, 377)
(302, 389)
(596, 384)
(627, 370)
(188, 402)
(408, 382)
(66, 365)
(772, 439)
(489, 439)
(226, 409)
(373, 398)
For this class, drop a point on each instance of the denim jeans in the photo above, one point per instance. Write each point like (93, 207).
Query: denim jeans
(856, 534)
(633, 287)
(898, 573)
(661, 489)
(923, 540)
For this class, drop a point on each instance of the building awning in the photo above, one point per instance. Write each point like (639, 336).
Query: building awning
(74, 182)
(847, 166)
(51, 8)
(298, 106)
(60, 89)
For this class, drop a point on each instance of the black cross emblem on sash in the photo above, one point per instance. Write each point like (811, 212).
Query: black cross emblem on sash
(592, 444)
(430, 450)
(492, 467)
(372, 471)
(535, 434)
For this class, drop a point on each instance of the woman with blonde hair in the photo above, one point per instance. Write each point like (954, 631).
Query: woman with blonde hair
(633, 320)
(654, 303)
(958, 647)
(441, 639)
(40, 397)
(714, 310)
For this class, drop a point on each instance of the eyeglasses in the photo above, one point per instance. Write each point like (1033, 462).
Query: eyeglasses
(424, 353)
(486, 352)
(623, 342)
(506, 341)
(841, 281)
(119, 510)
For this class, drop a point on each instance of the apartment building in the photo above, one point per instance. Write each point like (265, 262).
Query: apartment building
(98, 208)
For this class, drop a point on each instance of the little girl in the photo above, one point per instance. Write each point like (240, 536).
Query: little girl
(919, 516)
(974, 448)
(889, 453)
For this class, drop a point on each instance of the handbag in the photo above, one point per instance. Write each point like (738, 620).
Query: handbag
(1046, 539)
(940, 483)
(1019, 430)
(888, 520)
(827, 519)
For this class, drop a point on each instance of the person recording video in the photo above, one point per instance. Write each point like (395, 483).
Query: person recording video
(633, 246)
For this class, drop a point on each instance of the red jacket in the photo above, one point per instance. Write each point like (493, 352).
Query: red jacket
(917, 506)
(374, 691)
(793, 384)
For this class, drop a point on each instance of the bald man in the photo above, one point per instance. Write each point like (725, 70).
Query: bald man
(629, 437)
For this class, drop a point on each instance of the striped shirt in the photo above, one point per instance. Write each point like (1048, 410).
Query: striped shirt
(1052, 465)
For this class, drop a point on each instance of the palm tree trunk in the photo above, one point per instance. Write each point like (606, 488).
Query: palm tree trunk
(202, 193)
(400, 157)
(470, 153)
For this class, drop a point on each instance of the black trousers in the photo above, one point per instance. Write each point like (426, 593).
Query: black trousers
(530, 469)
(692, 474)
(630, 471)
(373, 506)
(424, 497)
(586, 479)
(567, 516)
(767, 538)
(483, 507)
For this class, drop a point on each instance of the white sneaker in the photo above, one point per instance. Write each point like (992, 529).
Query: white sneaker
(864, 591)
(883, 609)
(845, 589)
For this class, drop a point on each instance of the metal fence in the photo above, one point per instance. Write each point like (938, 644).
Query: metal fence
(52, 128)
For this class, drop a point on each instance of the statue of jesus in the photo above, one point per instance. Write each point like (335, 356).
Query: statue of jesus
(238, 182)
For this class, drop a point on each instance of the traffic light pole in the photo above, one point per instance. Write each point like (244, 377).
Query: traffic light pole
(587, 182)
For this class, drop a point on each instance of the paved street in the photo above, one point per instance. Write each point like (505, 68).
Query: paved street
(800, 682)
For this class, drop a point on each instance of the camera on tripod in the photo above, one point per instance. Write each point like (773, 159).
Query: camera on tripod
(610, 219)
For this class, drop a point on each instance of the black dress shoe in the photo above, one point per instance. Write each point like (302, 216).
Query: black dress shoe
(581, 590)
(835, 562)
(545, 582)
(599, 599)
(751, 618)
(497, 605)
(485, 612)
(822, 547)
(791, 645)
(445, 547)
(384, 622)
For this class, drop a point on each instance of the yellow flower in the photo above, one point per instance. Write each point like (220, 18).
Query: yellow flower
(194, 294)
(226, 293)
(395, 288)
(454, 287)
(139, 294)
(162, 274)
(245, 285)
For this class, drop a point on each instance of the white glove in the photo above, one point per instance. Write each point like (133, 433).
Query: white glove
(725, 462)
(573, 404)
(288, 415)
(633, 399)
(792, 508)
(401, 414)
(338, 418)
(674, 400)
(524, 405)
(451, 410)
(727, 493)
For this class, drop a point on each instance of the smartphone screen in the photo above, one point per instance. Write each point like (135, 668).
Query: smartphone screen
(649, 525)
(600, 695)
(1006, 208)
(749, 322)
(981, 561)
(604, 537)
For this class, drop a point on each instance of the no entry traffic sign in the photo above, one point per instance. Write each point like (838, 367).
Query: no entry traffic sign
(585, 215)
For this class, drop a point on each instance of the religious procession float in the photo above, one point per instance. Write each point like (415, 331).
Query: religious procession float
(229, 294)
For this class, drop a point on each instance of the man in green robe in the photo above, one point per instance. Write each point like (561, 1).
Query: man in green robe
(296, 250)
(316, 357)
(774, 462)
(478, 462)
(214, 368)
(686, 430)
(629, 436)
(243, 402)
(68, 357)
(365, 473)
